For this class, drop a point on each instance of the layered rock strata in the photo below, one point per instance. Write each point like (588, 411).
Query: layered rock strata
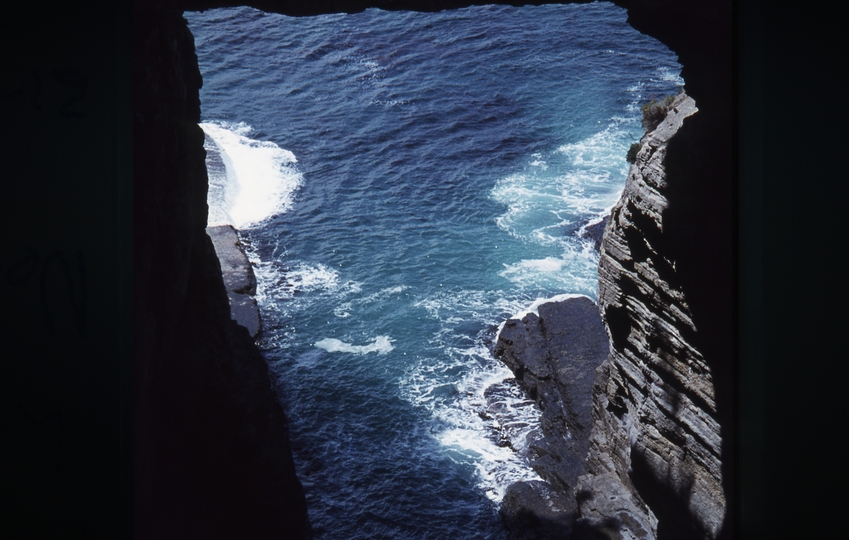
(239, 279)
(646, 462)
(655, 435)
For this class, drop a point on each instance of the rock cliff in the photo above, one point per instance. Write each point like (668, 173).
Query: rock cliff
(211, 453)
(554, 356)
(655, 414)
(653, 454)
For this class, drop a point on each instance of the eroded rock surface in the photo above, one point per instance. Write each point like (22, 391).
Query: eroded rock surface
(554, 356)
(655, 428)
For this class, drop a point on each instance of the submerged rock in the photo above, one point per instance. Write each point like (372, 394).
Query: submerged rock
(595, 232)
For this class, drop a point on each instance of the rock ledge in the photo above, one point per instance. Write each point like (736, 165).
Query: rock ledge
(239, 279)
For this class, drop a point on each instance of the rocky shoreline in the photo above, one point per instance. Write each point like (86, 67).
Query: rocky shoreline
(631, 446)
(554, 356)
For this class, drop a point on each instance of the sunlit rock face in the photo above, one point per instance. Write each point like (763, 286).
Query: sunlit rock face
(652, 443)
(655, 414)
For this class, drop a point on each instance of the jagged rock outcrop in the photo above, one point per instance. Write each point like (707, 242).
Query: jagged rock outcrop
(655, 416)
(554, 356)
(595, 232)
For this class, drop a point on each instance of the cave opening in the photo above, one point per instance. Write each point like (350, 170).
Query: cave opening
(353, 214)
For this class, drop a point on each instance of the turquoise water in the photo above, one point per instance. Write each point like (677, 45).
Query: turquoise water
(405, 183)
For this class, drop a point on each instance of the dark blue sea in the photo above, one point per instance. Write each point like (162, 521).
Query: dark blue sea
(406, 182)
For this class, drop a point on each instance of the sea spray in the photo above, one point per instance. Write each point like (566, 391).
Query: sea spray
(258, 180)
(380, 345)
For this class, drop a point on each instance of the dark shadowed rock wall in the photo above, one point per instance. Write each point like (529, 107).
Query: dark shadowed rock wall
(211, 451)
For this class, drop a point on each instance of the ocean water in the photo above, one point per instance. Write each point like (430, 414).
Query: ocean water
(405, 182)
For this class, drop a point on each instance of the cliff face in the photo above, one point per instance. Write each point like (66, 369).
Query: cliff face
(655, 413)
(647, 462)
(211, 452)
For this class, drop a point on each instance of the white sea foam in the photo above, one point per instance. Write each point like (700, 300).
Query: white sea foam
(380, 345)
(491, 431)
(487, 429)
(261, 177)
(271, 280)
(280, 287)
(637, 98)
(538, 161)
(575, 270)
(528, 199)
(448, 306)
(551, 207)
(577, 181)
(599, 217)
(534, 307)
(602, 148)
(482, 416)
(636, 87)
(549, 264)
(666, 74)
(221, 192)
(344, 309)
(303, 277)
